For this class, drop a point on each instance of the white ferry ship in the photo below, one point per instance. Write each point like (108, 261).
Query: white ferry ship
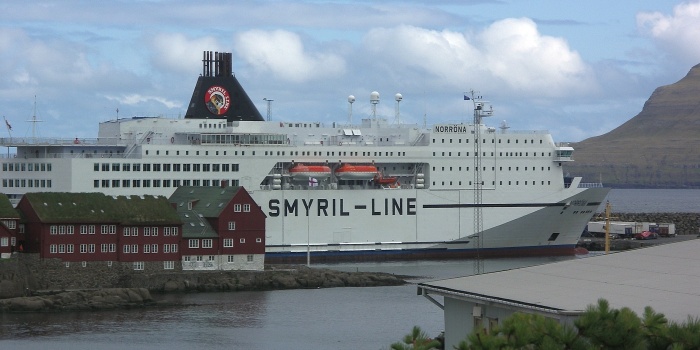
(376, 190)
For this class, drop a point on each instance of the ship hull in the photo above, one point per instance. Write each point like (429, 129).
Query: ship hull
(417, 224)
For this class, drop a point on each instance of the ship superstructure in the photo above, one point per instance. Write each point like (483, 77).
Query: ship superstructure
(334, 190)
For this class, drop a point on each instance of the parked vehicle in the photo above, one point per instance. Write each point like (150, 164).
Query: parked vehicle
(646, 235)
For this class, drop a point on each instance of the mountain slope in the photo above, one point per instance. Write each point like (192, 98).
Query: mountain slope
(659, 147)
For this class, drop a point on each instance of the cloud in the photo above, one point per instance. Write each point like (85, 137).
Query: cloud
(176, 52)
(136, 99)
(283, 53)
(678, 34)
(509, 52)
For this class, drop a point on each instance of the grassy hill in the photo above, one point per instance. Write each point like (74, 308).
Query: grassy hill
(659, 147)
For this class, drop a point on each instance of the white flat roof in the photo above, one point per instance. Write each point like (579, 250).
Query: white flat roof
(665, 277)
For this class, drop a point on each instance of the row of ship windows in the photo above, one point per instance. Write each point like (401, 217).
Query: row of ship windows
(484, 140)
(110, 229)
(159, 183)
(493, 168)
(165, 167)
(26, 166)
(493, 183)
(110, 248)
(500, 154)
(26, 183)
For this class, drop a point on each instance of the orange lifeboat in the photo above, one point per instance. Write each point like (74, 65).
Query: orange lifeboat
(304, 172)
(356, 172)
(382, 180)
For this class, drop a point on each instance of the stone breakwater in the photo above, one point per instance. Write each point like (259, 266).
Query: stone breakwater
(136, 289)
(287, 277)
(82, 300)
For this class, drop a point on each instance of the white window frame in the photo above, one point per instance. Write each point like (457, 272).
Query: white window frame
(193, 243)
(83, 248)
(246, 208)
(207, 243)
(237, 208)
(231, 225)
(138, 265)
(228, 242)
(53, 249)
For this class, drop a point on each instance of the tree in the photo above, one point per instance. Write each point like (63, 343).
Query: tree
(599, 327)
(416, 340)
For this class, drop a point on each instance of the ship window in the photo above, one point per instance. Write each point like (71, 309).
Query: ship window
(516, 140)
(553, 237)
(95, 184)
(146, 152)
(449, 154)
(95, 167)
(508, 140)
(443, 154)
(499, 140)
(105, 166)
(157, 153)
(126, 167)
(450, 140)
(443, 140)
(540, 141)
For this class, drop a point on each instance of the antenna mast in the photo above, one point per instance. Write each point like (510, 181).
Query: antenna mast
(269, 107)
(398, 97)
(351, 100)
(34, 121)
(479, 112)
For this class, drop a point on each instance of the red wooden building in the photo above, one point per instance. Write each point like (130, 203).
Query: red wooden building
(96, 227)
(223, 228)
(11, 237)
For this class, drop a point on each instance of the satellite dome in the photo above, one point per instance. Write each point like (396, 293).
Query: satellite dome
(398, 97)
(374, 97)
(351, 98)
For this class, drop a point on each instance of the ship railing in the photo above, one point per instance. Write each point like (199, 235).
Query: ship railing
(42, 141)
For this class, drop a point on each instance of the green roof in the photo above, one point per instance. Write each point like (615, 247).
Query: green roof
(100, 208)
(207, 202)
(7, 211)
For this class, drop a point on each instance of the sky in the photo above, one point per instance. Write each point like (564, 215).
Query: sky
(575, 68)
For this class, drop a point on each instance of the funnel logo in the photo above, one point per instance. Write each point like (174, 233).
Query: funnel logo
(217, 100)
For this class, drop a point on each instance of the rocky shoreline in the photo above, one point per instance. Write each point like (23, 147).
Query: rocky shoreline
(141, 289)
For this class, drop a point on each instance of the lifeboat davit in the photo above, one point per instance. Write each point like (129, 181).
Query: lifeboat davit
(304, 172)
(356, 172)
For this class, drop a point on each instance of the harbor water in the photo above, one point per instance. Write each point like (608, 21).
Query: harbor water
(336, 318)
